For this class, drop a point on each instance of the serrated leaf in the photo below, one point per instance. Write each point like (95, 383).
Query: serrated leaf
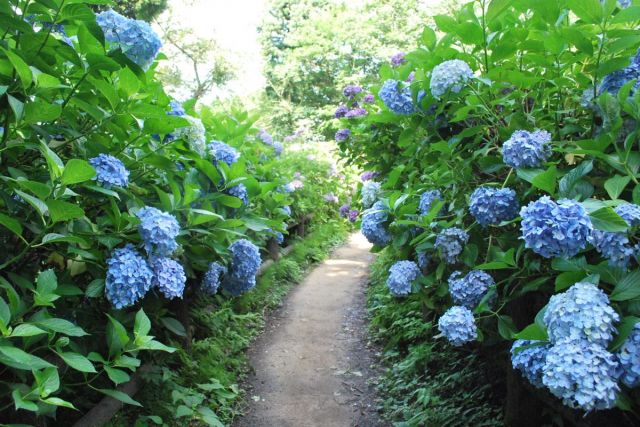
(606, 219)
(77, 171)
(627, 288)
(532, 332)
(616, 185)
(64, 211)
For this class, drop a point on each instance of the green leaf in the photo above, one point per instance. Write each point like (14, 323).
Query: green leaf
(60, 238)
(624, 330)
(616, 185)
(496, 7)
(117, 336)
(230, 201)
(174, 326)
(142, 324)
(118, 376)
(568, 182)
(606, 219)
(56, 401)
(590, 11)
(532, 332)
(17, 107)
(77, 171)
(12, 224)
(19, 359)
(63, 211)
(48, 381)
(118, 395)
(627, 288)
(546, 180)
(47, 282)
(128, 82)
(36, 203)
(56, 166)
(630, 14)
(41, 111)
(78, 362)
(62, 326)
(506, 327)
(27, 330)
(21, 67)
(95, 288)
(20, 403)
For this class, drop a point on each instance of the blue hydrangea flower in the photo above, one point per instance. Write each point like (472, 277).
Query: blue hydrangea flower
(158, 231)
(426, 200)
(629, 358)
(458, 325)
(530, 359)
(176, 109)
(343, 135)
(555, 229)
(423, 259)
(397, 100)
(135, 38)
(278, 147)
(350, 91)
(616, 247)
(491, 206)
(240, 191)
(194, 134)
(341, 111)
(582, 313)
(356, 112)
(168, 277)
(450, 242)
(222, 152)
(110, 171)
(213, 277)
(265, 137)
(402, 274)
(373, 225)
(467, 291)
(370, 192)
(245, 262)
(582, 374)
(449, 76)
(624, 3)
(613, 81)
(287, 210)
(128, 277)
(527, 149)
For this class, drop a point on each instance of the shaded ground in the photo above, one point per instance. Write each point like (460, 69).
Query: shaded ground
(312, 364)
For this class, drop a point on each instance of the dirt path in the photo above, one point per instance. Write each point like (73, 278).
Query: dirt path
(311, 366)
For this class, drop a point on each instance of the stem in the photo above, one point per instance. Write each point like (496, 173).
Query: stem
(75, 87)
(484, 37)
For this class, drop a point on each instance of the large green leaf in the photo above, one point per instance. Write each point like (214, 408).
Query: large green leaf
(606, 219)
(63, 211)
(77, 170)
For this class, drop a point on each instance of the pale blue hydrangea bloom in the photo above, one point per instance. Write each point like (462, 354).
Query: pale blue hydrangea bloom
(245, 262)
(450, 242)
(468, 290)
(194, 134)
(402, 274)
(458, 325)
(629, 358)
(135, 38)
(128, 277)
(168, 277)
(110, 171)
(265, 137)
(373, 225)
(426, 200)
(222, 152)
(530, 359)
(213, 277)
(240, 191)
(176, 109)
(278, 148)
(582, 374)
(613, 81)
(527, 149)
(423, 259)
(491, 206)
(582, 313)
(449, 76)
(287, 210)
(342, 135)
(397, 100)
(370, 192)
(555, 229)
(158, 231)
(617, 247)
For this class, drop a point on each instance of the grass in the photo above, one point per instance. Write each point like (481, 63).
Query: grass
(200, 386)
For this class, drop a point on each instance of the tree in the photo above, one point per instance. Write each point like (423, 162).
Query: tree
(146, 10)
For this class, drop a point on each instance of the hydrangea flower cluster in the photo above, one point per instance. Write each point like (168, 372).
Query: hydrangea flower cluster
(168, 277)
(450, 242)
(423, 259)
(371, 190)
(330, 198)
(194, 134)
(369, 98)
(240, 191)
(582, 313)
(176, 109)
(426, 200)
(373, 225)
(402, 274)
(265, 137)
(468, 290)
(213, 277)
(287, 210)
(529, 356)
(397, 100)
(458, 325)
(491, 206)
(582, 375)
(555, 229)
(366, 176)
(158, 231)
(449, 76)
(398, 59)
(613, 81)
(344, 210)
(245, 262)
(617, 247)
(356, 112)
(342, 135)
(629, 358)
(278, 148)
(341, 111)
(135, 38)
(222, 152)
(350, 91)
(110, 171)
(128, 277)
(527, 149)
(353, 215)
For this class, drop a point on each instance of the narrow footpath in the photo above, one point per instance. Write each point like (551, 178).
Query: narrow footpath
(311, 366)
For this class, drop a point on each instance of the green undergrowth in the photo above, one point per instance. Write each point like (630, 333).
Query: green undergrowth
(426, 382)
(200, 386)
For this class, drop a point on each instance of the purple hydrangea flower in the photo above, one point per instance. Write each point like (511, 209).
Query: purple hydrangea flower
(373, 225)
(245, 262)
(369, 98)
(350, 91)
(356, 112)
(222, 152)
(344, 210)
(426, 200)
(398, 59)
(343, 135)
(341, 111)
(265, 137)
(240, 191)
(366, 176)
(353, 215)
(469, 290)
(411, 77)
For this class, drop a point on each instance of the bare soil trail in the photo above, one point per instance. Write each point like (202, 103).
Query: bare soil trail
(311, 366)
